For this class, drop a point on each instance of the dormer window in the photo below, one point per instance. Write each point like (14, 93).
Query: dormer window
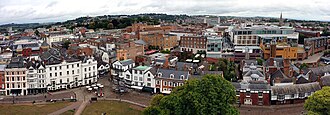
(171, 76)
(159, 74)
(181, 77)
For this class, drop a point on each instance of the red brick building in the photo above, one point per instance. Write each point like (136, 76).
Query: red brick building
(315, 45)
(2, 80)
(253, 93)
(193, 43)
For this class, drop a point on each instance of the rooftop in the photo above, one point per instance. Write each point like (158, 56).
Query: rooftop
(142, 68)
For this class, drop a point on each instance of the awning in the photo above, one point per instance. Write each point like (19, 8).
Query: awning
(166, 92)
(137, 87)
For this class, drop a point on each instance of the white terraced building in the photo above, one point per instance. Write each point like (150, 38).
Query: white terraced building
(65, 72)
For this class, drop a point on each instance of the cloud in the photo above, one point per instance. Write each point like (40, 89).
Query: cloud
(22, 11)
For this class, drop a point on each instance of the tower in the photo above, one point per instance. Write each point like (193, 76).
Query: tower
(219, 20)
(281, 20)
(273, 49)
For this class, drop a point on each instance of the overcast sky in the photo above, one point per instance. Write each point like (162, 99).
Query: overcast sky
(23, 11)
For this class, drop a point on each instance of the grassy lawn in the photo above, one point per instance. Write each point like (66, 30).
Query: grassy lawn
(70, 112)
(112, 108)
(30, 109)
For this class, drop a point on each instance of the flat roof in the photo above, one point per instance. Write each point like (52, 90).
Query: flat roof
(142, 67)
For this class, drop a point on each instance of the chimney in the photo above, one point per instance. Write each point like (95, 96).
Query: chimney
(247, 55)
(273, 49)
(165, 65)
(271, 61)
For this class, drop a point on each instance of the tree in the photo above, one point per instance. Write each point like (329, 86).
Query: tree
(303, 66)
(260, 61)
(228, 68)
(66, 44)
(319, 102)
(210, 95)
(37, 33)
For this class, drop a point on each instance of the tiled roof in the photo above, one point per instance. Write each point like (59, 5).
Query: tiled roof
(295, 89)
(127, 62)
(167, 72)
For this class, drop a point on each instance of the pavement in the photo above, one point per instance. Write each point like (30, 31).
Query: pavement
(290, 109)
(73, 106)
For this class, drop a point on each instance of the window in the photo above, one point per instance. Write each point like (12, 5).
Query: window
(248, 93)
(85, 75)
(18, 79)
(93, 67)
(60, 67)
(67, 66)
(148, 74)
(60, 80)
(50, 74)
(12, 79)
(85, 69)
(60, 73)
(89, 69)
(171, 76)
(77, 65)
(55, 68)
(148, 79)
(72, 66)
(7, 85)
(280, 97)
(67, 72)
(165, 83)
(181, 77)
(7, 78)
(23, 78)
(135, 78)
(55, 74)
(158, 82)
(67, 80)
(301, 95)
(12, 85)
(170, 83)
(72, 71)
(149, 84)
(50, 68)
(23, 72)
(128, 76)
(140, 78)
(259, 93)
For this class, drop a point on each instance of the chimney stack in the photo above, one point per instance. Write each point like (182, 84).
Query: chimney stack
(166, 63)
(273, 49)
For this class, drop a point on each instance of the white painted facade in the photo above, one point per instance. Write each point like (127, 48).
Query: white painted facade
(143, 78)
(71, 74)
(89, 71)
(36, 79)
(15, 79)
(63, 75)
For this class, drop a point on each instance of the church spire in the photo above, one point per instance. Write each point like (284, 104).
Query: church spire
(281, 20)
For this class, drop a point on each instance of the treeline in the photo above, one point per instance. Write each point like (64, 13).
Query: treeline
(116, 23)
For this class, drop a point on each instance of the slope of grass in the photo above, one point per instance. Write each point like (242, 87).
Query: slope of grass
(112, 108)
(30, 109)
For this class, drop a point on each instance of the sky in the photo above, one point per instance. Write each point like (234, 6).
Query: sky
(39, 11)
